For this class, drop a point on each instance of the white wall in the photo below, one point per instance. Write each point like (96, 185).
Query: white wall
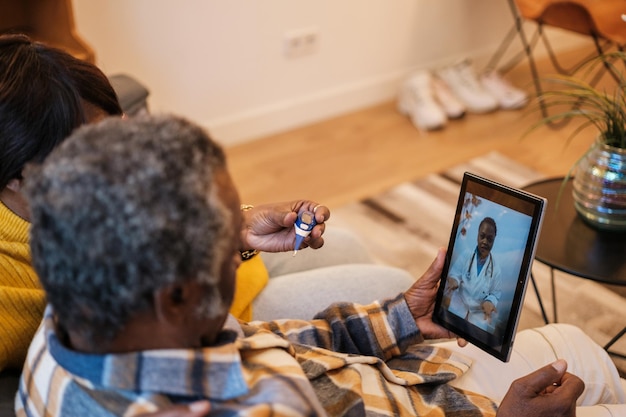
(222, 63)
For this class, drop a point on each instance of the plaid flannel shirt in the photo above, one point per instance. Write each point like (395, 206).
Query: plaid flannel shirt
(351, 360)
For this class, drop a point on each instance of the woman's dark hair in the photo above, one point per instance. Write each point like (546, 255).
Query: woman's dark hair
(42, 90)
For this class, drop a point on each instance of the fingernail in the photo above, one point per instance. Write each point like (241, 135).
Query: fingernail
(560, 365)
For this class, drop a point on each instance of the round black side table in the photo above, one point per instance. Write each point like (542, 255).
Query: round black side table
(569, 244)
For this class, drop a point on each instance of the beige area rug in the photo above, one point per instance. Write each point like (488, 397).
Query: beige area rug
(405, 226)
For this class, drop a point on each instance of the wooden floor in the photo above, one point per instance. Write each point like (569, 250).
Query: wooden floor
(360, 154)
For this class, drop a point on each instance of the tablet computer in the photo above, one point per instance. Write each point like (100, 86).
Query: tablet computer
(486, 270)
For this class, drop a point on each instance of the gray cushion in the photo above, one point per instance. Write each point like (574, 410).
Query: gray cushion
(131, 93)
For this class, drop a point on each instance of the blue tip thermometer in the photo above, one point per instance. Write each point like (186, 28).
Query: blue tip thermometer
(304, 224)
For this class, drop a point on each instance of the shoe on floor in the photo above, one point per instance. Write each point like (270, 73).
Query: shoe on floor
(417, 100)
(508, 96)
(450, 104)
(463, 82)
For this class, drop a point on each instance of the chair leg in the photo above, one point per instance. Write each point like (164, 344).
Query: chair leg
(607, 65)
(601, 45)
(502, 48)
(506, 42)
(529, 55)
(528, 45)
(600, 49)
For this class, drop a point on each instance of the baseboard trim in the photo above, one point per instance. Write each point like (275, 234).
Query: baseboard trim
(300, 111)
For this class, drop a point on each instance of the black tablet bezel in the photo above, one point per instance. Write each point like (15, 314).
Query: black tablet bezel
(500, 345)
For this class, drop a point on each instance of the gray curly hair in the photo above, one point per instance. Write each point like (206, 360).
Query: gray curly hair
(121, 209)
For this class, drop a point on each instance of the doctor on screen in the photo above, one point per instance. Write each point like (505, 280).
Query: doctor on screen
(474, 281)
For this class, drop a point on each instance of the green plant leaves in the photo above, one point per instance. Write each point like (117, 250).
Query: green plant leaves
(571, 97)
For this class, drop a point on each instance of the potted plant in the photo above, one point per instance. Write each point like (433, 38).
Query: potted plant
(599, 176)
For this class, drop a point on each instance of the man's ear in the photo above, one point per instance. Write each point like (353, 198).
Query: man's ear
(15, 185)
(172, 303)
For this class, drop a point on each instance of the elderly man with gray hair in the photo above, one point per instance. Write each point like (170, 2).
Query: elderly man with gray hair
(136, 236)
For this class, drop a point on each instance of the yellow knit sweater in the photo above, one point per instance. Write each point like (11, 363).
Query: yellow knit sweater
(252, 277)
(22, 300)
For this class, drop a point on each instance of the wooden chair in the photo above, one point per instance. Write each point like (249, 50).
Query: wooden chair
(52, 22)
(48, 21)
(601, 20)
(595, 18)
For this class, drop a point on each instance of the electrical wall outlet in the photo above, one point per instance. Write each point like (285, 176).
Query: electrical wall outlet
(301, 42)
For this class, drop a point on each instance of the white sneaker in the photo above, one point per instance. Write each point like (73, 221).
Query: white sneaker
(463, 82)
(508, 96)
(418, 102)
(450, 104)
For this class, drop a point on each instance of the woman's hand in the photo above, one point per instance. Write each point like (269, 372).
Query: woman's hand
(269, 227)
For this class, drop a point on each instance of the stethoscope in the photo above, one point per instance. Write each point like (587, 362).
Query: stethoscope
(468, 273)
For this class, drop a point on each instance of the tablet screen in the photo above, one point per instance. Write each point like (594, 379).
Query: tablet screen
(488, 262)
